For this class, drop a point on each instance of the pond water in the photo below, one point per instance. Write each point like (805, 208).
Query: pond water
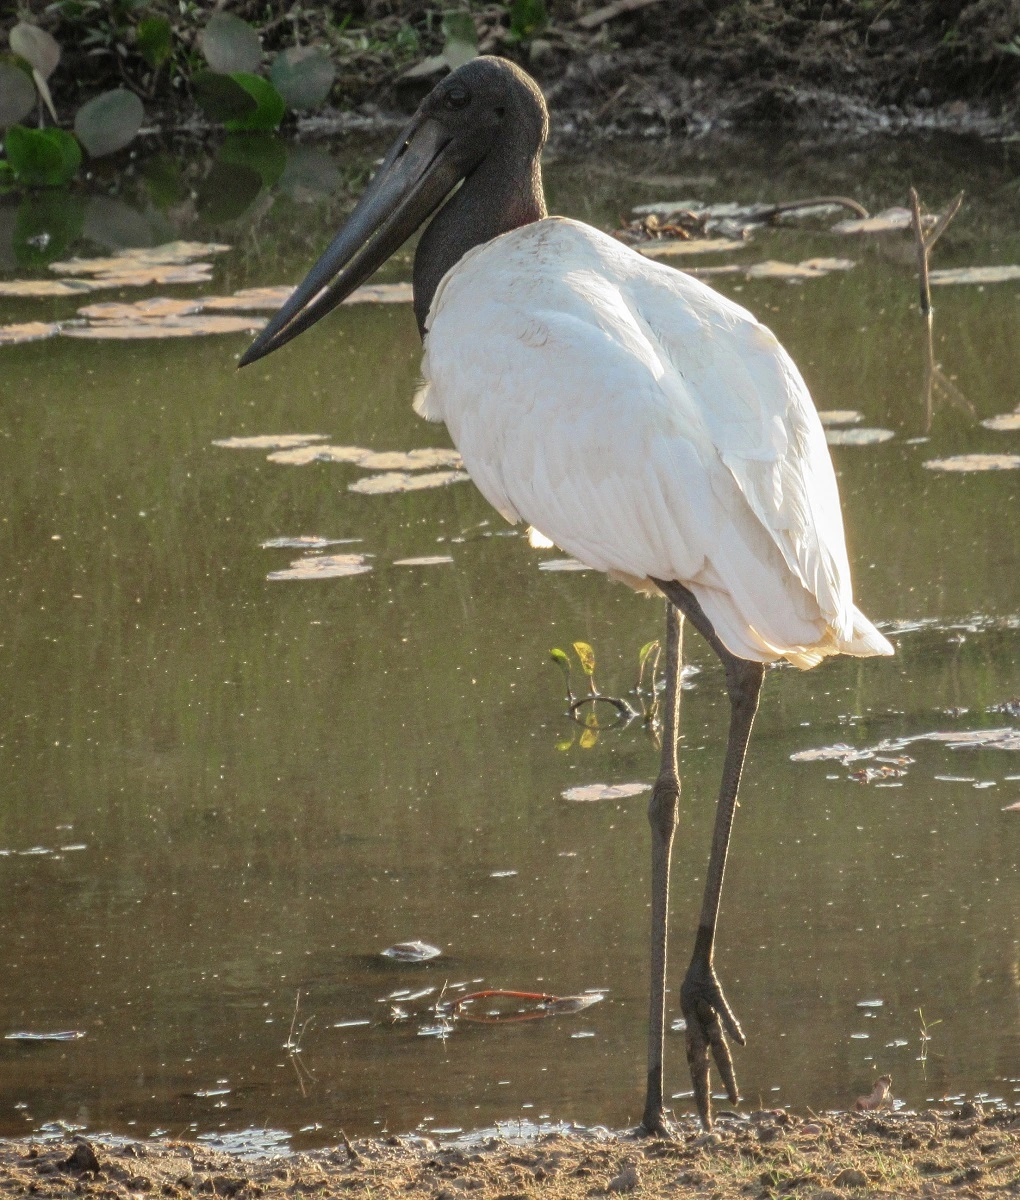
(224, 795)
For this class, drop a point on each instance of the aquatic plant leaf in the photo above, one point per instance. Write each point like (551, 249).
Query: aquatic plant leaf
(605, 791)
(563, 564)
(303, 75)
(44, 287)
(668, 248)
(154, 308)
(269, 106)
(560, 658)
(221, 97)
(588, 738)
(227, 193)
(323, 566)
(230, 44)
(586, 657)
(412, 460)
(269, 441)
(975, 462)
(35, 46)
(262, 153)
(300, 455)
(840, 416)
(27, 331)
(154, 40)
(109, 122)
(424, 560)
(411, 952)
(1004, 422)
(198, 325)
(1001, 274)
(42, 157)
(857, 437)
(17, 94)
(401, 481)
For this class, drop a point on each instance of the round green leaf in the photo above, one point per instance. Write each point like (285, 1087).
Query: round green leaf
(46, 226)
(221, 97)
(42, 157)
(153, 40)
(269, 106)
(17, 94)
(230, 44)
(109, 122)
(35, 46)
(303, 75)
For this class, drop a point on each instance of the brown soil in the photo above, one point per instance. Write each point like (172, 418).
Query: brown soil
(958, 1153)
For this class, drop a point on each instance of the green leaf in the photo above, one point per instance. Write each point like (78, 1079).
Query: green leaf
(154, 40)
(42, 157)
(269, 105)
(560, 659)
(221, 97)
(35, 46)
(644, 652)
(46, 226)
(109, 122)
(303, 75)
(527, 18)
(586, 657)
(262, 153)
(230, 45)
(17, 94)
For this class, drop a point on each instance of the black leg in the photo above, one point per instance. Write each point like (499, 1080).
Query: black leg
(662, 816)
(701, 997)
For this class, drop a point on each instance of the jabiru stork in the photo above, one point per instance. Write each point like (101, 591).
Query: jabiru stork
(638, 419)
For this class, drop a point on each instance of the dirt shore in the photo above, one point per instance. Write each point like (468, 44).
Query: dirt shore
(953, 1152)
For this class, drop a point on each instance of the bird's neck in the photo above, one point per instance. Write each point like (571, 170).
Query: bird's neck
(503, 192)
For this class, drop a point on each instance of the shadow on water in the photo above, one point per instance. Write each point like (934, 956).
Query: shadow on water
(230, 782)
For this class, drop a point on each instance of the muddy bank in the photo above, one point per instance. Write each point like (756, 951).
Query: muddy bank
(961, 1151)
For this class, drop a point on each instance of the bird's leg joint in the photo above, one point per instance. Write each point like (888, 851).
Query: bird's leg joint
(662, 808)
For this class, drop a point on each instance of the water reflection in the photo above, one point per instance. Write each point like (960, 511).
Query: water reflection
(273, 782)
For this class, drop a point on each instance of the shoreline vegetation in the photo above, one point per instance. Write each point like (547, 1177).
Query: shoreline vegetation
(81, 79)
(964, 1151)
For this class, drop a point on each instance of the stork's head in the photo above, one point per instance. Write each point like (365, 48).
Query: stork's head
(487, 112)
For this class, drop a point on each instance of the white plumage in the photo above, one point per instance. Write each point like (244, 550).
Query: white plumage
(651, 428)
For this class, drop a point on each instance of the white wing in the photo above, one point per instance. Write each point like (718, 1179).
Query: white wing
(649, 427)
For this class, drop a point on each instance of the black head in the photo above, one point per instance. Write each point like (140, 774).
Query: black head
(483, 110)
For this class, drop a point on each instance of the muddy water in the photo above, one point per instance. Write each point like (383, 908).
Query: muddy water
(246, 789)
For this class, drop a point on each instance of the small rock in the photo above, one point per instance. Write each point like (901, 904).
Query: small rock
(83, 1158)
(707, 1139)
(811, 1128)
(971, 1175)
(626, 1181)
(850, 1177)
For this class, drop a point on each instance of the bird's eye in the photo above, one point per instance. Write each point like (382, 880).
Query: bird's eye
(457, 97)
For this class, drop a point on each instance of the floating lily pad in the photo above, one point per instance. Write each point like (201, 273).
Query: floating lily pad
(401, 481)
(411, 952)
(305, 542)
(28, 331)
(199, 325)
(17, 94)
(44, 287)
(35, 46)
(109, 122)
(426, 560)
(303, 75)
(230, 44)
(676, 248)
(840, 416)
(1002, 274)
(412, 460)
(1004, 422)
(606, 791)
(142, 310)
(323, 566)
(270, 441)
(975, 462)
(857, 437)
(299, 456)
(563, 564)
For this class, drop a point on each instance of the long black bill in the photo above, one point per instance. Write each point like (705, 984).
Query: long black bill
(414, 179)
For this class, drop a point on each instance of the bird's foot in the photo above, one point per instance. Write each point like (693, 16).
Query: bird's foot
(708, 1014)
(657, 1124)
